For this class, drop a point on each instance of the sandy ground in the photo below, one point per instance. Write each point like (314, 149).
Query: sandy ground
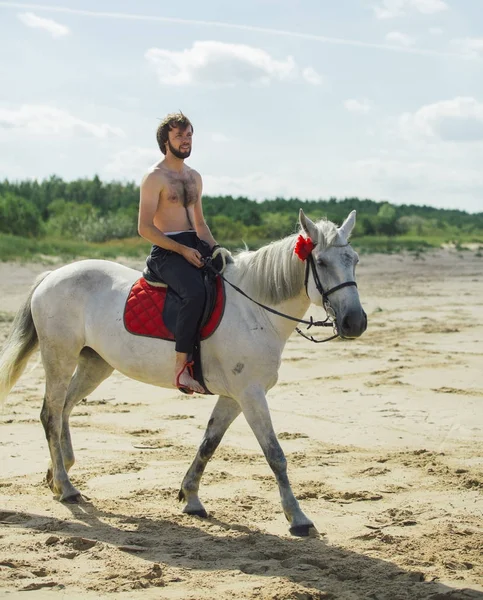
(383, 435)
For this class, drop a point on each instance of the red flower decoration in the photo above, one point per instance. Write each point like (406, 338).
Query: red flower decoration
(303, 247)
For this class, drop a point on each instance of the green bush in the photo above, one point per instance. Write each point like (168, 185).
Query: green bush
(66, 219)
(386, 220)
(84, 222)
(224, 228)
(19, 216)
(277, 225)
(109, 227)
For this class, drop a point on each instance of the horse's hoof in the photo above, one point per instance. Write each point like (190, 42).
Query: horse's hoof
(197, 513)
(304, 530)
(73, 499)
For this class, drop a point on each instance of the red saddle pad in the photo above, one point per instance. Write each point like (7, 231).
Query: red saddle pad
(143, 313)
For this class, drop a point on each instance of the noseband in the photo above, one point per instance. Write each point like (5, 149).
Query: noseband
(331, 318)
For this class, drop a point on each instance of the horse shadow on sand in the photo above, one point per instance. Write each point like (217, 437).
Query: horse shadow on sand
(190, 543)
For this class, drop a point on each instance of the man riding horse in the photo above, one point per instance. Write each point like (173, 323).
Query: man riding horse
(171, 218)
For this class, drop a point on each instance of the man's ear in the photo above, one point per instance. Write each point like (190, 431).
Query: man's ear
(308, 227)
(348, 225)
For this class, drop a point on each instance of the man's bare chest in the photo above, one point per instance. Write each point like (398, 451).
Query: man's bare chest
(180, 189)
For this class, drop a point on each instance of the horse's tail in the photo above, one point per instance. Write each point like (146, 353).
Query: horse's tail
(21, 342)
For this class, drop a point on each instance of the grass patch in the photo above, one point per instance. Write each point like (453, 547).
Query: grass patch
(15, 248)
(392, 245)
(28, 249)
(409, 243)
(6, 317)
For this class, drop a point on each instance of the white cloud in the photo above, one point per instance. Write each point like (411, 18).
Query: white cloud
(400, 38)
(402, 174)
(297, 35)
(470, 47)
(49, 121)
(55, 29)
(457, 120)
(436, 31)
(252, 185)
(357, 106)
(217, 63)
(432, 182)
(426, 179)
(131, 163)
(429, 7)
(311, 76)
(389, 9)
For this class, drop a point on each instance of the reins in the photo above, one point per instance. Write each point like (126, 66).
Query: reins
(329, 321)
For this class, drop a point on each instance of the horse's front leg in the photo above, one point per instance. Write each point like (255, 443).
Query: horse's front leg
(256, 411)
(225, 412)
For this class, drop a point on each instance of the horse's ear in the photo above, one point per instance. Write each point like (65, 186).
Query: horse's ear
(308, 227)
(348, 225)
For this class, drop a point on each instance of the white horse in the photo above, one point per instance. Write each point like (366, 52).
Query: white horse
(75, 314)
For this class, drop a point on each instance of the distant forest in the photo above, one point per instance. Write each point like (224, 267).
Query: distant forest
(91, 210)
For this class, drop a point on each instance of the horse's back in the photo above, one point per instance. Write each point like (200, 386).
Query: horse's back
(93, 269)
(76, 292)
(86, 277)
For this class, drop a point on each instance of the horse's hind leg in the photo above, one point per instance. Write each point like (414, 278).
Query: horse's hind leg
(59, 363)
(225, 412)
(91, 371)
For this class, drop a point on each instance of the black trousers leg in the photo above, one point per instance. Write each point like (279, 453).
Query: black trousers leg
(187, 281)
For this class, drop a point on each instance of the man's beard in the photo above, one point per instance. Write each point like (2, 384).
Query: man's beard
(178, 153)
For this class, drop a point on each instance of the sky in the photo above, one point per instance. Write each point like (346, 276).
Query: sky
(379, 99)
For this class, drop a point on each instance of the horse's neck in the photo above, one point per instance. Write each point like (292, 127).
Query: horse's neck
(295, 307)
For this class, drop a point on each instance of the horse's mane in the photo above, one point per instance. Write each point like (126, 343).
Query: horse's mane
(274, 273)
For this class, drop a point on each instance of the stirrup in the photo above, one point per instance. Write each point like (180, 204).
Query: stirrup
(182, 388)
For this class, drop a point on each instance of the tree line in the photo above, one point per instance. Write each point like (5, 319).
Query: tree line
(97, 211)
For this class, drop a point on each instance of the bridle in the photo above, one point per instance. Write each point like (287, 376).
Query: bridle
(329, 321)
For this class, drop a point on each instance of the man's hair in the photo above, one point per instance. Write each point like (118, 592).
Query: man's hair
(171, 121)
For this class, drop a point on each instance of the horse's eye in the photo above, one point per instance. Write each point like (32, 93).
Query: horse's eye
(321, 263)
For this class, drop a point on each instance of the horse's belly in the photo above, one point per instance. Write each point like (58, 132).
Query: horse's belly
(146, 359)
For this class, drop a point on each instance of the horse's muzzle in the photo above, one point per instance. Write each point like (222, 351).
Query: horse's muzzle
(353, 324)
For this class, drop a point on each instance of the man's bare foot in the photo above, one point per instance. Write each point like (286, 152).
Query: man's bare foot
(184, 380)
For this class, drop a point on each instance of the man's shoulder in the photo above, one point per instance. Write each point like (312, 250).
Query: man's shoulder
(154, 176)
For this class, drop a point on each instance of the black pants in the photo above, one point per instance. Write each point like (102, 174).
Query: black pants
(187, 281)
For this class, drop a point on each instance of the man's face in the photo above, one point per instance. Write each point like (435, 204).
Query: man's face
(179, 141)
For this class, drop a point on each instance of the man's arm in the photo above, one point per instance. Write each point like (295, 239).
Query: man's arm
(151, 187)
(202, 229)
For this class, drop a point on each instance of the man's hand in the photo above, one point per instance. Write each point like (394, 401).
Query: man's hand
(220, 257)
(192, 256)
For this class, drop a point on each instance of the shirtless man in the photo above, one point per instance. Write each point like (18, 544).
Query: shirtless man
(171, 218)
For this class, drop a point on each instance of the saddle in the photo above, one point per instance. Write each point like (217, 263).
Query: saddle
(152, 309)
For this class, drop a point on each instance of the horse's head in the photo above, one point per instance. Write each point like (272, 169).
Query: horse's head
(331, 274)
